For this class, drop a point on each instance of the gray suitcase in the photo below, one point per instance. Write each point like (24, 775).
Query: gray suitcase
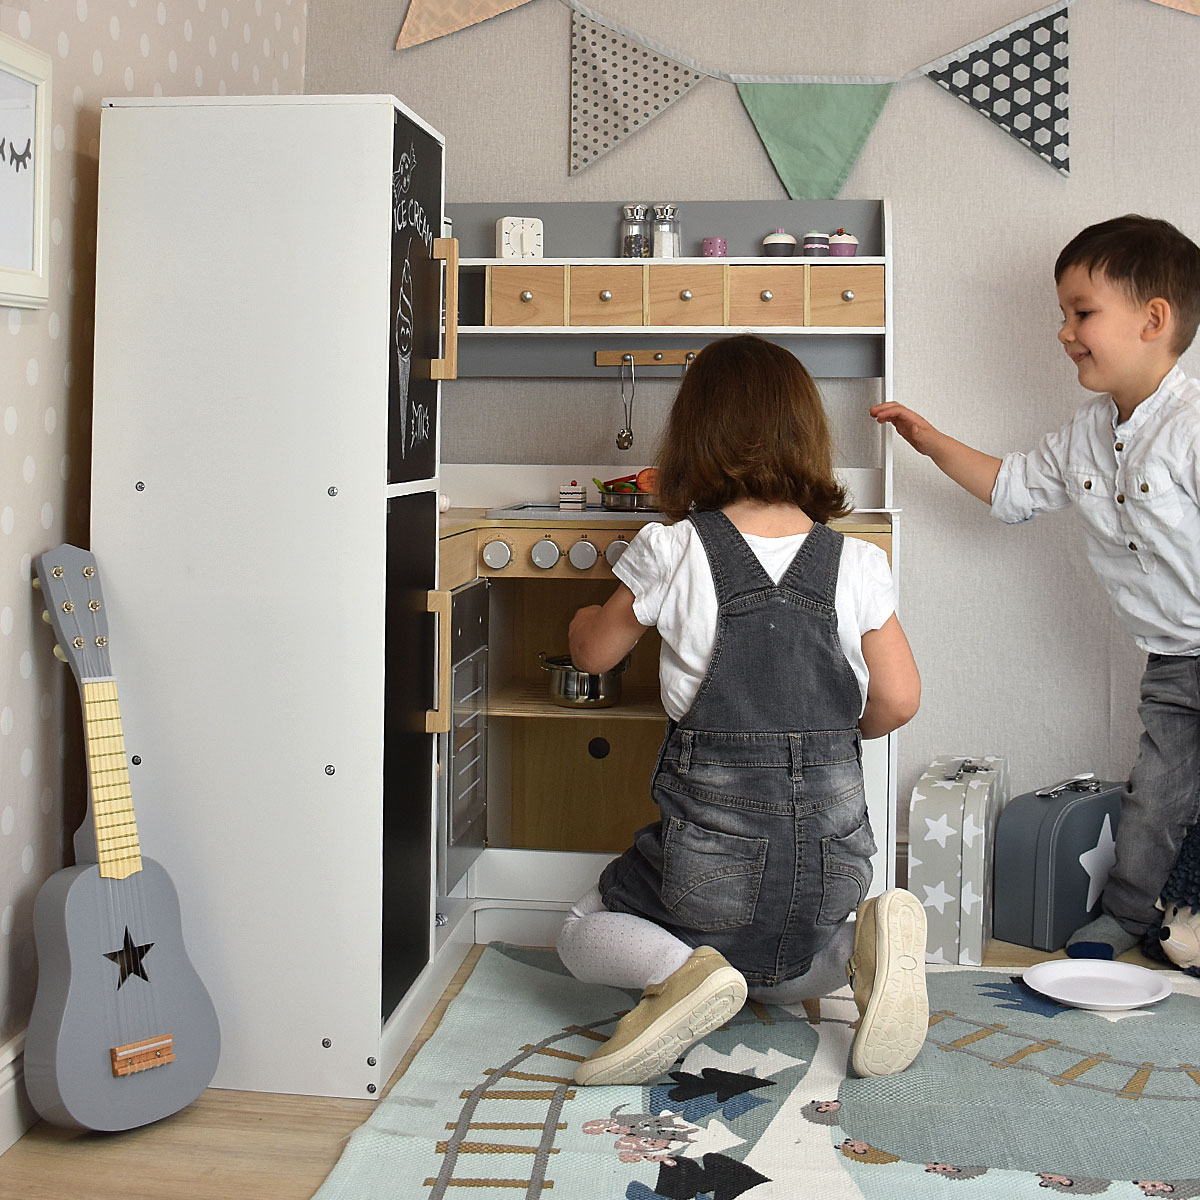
(1053, 854)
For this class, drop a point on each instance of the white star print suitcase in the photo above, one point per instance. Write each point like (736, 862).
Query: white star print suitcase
(1054, 849)
(952, 819)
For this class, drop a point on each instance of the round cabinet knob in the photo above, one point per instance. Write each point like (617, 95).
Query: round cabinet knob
(545, 554)
(767, 295)
(614, 550)
(686, 294)
(847, 295)
(526, 297)
(497, 555)
(606, 295)
(583, 555)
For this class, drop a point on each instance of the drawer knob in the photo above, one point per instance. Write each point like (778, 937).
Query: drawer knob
(526, 297)
(686, 294)
(497, 555)
(583, 555)
(847, 295)
(544, 554)
(767, 295)
(606, 295)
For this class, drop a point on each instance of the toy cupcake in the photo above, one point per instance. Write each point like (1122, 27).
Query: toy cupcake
(816, 244)
(843, 244)
(779, 243)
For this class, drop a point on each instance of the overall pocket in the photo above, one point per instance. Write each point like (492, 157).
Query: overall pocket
(845, 873)
(711, 879)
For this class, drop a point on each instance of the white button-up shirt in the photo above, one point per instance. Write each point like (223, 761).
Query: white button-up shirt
(1136, 489)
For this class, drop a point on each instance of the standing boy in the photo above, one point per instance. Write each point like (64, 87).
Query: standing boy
(1129, 462)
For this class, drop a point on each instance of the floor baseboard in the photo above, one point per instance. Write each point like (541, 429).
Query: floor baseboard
(16, 1113)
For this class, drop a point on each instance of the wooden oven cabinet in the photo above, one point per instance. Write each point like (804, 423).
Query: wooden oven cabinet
(567, 788)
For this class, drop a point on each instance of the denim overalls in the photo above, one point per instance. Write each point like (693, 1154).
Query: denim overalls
(763, 848)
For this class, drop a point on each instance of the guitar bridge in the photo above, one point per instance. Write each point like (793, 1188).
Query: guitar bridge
(142, 1056)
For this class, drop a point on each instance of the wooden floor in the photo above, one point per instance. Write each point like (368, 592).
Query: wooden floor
(235, 1145)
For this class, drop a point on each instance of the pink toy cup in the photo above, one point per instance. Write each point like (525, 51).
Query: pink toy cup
(713, 247)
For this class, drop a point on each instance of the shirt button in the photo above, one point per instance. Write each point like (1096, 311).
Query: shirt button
(1133, 545)
(1145, 487)
(1119, 446)
(1120, 498)
(1087, 485)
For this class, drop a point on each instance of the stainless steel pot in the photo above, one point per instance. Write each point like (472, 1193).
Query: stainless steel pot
(572, 688)
(630, 501)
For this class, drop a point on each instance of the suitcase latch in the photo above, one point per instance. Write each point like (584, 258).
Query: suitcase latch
(968, 766)
(1077, 783)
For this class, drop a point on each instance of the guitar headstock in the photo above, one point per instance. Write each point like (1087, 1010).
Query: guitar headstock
(70, 583)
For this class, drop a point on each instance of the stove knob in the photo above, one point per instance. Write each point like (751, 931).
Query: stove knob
(614, 550)
(545, 554)
(497, 554)
(583, 554)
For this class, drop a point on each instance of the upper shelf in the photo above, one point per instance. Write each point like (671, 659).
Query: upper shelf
(586, 236)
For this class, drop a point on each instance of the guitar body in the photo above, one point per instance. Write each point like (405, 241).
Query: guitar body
(122, 1031)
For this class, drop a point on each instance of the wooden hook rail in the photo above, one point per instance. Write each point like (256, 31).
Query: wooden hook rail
(646, 358)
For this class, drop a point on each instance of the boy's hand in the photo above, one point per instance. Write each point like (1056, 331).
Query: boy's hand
(914, 429)
(971, 469)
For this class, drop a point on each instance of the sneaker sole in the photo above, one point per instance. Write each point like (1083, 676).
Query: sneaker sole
(648, 1056)
(892, 1030)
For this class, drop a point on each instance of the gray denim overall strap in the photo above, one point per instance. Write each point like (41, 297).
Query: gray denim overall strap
(763, 846)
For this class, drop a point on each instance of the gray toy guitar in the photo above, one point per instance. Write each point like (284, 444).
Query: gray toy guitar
(122, 1031)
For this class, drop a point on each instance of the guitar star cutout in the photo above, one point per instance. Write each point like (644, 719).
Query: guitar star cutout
(129, 959)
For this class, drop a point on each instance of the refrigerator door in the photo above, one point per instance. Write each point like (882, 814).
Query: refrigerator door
(416, 302)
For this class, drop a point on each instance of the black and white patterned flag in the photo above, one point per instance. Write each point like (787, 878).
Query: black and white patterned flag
(1017, 77)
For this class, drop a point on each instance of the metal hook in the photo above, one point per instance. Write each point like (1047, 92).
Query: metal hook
(688, 358)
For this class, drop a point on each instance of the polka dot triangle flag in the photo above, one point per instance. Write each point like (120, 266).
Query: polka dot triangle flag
(1017, 78)
(618, 86)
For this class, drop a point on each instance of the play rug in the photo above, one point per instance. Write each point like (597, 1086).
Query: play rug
(1013, 1095)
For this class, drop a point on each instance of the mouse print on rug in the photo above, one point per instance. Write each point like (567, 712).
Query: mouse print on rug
(1013, 1094)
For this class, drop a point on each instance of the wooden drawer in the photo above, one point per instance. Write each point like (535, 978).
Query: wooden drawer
(845, 295)
(764, 296)
(688, 294)
(606, 295)
(525, 295)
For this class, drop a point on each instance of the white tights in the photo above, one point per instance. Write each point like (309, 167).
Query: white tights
(620, 950)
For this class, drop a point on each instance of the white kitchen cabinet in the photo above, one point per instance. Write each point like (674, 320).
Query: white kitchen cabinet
(264, 512)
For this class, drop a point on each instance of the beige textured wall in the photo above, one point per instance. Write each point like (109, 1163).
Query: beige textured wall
(1018, 651)
(98, 48)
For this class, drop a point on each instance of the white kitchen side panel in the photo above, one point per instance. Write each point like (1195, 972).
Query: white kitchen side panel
(238, 513)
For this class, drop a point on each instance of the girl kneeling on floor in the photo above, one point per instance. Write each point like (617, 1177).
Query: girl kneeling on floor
(781, 651)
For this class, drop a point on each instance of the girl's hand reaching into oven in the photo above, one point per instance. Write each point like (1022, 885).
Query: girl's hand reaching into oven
(600, 635)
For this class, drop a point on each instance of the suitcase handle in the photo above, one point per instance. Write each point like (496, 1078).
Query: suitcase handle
(1086, 782)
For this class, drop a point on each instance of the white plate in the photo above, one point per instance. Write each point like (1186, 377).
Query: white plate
(1097, 983)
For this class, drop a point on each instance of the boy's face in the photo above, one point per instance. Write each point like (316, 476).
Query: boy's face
(1102, 332)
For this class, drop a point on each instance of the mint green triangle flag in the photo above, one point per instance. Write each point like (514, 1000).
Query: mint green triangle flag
(814, 132)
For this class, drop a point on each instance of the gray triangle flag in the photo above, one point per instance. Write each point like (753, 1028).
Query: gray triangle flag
(1017, 77)
(618, 86)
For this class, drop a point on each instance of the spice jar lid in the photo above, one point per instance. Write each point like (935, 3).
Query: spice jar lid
(636, 212)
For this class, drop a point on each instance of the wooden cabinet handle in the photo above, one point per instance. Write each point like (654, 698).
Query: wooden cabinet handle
(437, 720)
(446, 367)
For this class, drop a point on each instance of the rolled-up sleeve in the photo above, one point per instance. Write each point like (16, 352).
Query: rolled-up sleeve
(1033, 483)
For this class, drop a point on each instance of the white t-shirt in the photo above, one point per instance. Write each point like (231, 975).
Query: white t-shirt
(667, 570)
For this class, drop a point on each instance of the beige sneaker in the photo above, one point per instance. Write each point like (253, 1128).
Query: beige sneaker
(691, 1002)
(887, 972)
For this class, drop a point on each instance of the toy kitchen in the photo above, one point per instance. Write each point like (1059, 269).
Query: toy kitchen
(351, 745)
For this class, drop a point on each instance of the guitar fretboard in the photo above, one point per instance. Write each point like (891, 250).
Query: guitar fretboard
(117, 846)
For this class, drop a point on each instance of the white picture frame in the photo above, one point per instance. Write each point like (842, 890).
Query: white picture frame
(24, 174)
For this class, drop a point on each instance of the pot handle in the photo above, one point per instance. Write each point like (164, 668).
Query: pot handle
(542, 660)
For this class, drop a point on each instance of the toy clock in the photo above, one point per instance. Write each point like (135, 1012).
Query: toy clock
(518, 237)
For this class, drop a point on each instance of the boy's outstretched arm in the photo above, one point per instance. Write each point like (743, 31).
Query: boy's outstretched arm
(970, 469)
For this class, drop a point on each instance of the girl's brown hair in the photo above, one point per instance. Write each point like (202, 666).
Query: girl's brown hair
(748, 422)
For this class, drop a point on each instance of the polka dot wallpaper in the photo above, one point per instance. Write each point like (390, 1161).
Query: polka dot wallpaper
(98, 48)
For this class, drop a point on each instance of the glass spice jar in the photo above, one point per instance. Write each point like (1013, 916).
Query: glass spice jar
(635, 231)
(666, 231)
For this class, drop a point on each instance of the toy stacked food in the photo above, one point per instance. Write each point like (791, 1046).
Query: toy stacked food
(643, 481)
(843, 244)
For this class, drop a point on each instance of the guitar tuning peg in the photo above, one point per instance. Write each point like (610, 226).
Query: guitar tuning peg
(58, 653)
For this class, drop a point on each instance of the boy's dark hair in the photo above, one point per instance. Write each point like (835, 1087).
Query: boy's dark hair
(1145, 258)
(748, 422)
